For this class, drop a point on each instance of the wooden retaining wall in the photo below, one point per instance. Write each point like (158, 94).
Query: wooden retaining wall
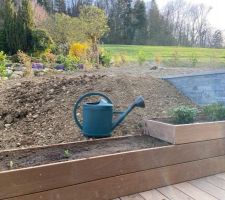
(111, 176)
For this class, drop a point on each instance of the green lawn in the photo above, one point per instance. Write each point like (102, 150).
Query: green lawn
(167, 53)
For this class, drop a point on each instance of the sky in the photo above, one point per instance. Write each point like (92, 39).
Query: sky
(216, 15)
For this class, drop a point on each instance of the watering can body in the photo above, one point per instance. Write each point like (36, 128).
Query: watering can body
(97, 119)
(98, 116)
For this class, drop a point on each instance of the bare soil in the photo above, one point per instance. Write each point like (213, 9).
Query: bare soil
(38, 111)
(32, 157)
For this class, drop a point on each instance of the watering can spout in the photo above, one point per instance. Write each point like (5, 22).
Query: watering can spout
(138, 102)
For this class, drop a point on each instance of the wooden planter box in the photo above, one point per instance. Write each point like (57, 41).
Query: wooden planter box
(185, 133)
(115, 175)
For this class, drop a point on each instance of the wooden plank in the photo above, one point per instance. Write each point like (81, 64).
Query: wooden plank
(193, 191)
(124, 185)
(160, 130)
(153, 195)
(42, 178)
(199, 132)
(133, 197)
(185, 133)
(222, 175)
(217, 181)
(209, 188)
(173, 193)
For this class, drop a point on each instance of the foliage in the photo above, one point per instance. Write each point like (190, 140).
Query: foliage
(183, 114)
(70, 62)
(94, 25)
(105, 58)
(67, 153)
(3, 72)
(141, 57)
(78, 50)
(215, 112)
(64, 30)
(26, 60)
(194, 59)
(17, 25)
(41, 41)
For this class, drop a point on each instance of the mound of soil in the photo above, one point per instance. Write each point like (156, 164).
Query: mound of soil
(38, 111)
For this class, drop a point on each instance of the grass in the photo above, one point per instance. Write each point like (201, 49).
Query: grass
(171, 54)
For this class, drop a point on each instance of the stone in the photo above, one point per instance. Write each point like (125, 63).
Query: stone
(2, 125)
(8, 119)
(7, 125)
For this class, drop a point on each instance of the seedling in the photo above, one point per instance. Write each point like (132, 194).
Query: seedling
(11, 164)
(67, 153)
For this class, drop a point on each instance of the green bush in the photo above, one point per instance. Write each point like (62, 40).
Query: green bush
(183, 115)
(41, 41)
(141, 57)
(105, 58)
(70, 62)
(3, 72)
(214, 112)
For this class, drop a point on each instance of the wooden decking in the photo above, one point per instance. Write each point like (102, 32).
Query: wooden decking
(209, 188)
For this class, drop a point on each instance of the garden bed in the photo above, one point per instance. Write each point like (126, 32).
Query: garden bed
(58, 153)
(105, 168)
(165, 130)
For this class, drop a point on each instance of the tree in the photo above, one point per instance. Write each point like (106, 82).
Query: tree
(139, 22)
(64, 30)
(9, 31)
(120, 22)
(154, 24)
(217, 39)
(25, 24)
(94, 24)
(60, 6)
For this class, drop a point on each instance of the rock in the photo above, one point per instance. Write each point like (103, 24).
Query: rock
(60, 67)
(154, 67)
(17, 74)
(7, 125)
(18, 67)
(2, 125)
(37, 66)
(8, 119)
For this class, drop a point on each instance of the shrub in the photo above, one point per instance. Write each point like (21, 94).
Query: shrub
(193, 59)
(69, 62)
(48, 56)
(141, 57)
(215, 112)
(26, 60)
(78, 50)
(41, 41)
(183, 115)
(105, 58)
(3, 72)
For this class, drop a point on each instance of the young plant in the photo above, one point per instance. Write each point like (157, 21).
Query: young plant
(11, 164)
(105, 58)
(183, 114)
(193, 59)
(141, 57)
(26, 60)
(214, 112)
(67, 153)
(3, 72)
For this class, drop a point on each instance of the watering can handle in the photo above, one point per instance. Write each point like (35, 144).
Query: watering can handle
(77, 104)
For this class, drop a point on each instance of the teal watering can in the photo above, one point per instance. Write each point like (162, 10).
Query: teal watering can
(98, 116)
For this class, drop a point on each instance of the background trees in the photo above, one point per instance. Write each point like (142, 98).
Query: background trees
(130, 22)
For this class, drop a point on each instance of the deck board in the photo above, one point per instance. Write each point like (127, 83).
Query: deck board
(153, 195)
(194, 192)
(208, 188)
